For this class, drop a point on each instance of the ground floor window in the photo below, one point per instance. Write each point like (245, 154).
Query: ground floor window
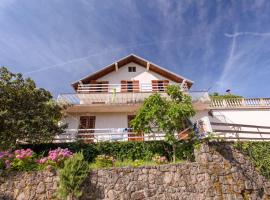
(86, 123)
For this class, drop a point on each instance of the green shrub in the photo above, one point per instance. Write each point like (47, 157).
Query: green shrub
(24, 160)
(122, 150)
(103, 161)
(137, 163)
(259, 154)
(72, 177)
(159, 159)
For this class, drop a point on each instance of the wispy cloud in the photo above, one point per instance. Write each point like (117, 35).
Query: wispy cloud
(245, 59)
(66, 40)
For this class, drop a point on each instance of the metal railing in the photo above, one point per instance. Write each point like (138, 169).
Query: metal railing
(128, 87)
(240, 103)
(232, 131)
(106, 134)
(120, 98)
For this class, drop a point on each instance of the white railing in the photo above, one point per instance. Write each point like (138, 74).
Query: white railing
(232, 131)
(106, 134)
(240, 103)
(120, 98)
(116, 88)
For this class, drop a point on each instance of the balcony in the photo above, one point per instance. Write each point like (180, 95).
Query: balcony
(112, 135)
(240, 103)
(120, 96)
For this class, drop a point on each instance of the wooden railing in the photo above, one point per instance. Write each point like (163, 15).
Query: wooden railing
(240, 103)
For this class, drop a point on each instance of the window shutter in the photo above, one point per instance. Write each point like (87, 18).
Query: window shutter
(87, 122)
(105, 86)
(165, 84)
(154, 85)
(136, 86)
(123, 86)
(93, 87)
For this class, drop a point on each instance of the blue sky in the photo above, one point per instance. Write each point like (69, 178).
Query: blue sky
(218, 44)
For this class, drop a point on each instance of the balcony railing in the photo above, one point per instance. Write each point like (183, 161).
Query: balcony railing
(117, 88)
(240, 103)
(106, 134)
(121, 97)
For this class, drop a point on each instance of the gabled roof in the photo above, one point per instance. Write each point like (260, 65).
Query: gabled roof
(136, 59)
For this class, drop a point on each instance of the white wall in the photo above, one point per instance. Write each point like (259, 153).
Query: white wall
(103, 120)
(141, 74)
(257, 117)
(252, 117)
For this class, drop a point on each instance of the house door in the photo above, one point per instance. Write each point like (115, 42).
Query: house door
(133, 136)
(86, 123)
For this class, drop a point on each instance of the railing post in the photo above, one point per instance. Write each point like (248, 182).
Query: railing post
(243, 103)
(224, 103)
(262, 102)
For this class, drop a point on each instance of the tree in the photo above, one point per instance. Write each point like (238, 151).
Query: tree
(169, 115)
(72, 176)
(27, 113)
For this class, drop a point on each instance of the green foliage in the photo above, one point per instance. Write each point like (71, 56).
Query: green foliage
(137, 163)
(72, 177)
(216, 95)
(259, 154)
(169, 115)
(104, 161)
(27, 164)
(122, 150)
(27, 113)
(159, 159)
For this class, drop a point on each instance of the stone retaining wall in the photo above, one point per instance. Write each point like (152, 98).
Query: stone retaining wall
(220, 172)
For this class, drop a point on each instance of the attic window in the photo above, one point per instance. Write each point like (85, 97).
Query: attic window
(132, 69)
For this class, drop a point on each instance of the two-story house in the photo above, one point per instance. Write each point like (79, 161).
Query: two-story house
(106, 101)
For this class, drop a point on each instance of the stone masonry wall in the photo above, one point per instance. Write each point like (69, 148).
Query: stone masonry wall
(220, 172)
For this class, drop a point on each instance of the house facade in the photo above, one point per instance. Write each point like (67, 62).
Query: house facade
(104, 103)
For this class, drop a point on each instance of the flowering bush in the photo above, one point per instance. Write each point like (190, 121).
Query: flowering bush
(56, 157)
(159, 159)
(5, 159)
(24, 160)
(104, 161)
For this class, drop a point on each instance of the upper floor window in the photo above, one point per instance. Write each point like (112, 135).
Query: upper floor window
(132, 69)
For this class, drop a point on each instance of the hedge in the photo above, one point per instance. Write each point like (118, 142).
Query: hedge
(120, 150)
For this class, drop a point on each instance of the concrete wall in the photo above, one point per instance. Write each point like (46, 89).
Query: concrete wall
(252, 116)
(257, 117)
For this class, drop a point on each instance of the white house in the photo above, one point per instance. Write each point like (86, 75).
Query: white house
(106, 101)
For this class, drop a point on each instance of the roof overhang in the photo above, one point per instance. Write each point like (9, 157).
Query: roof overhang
(138, 60)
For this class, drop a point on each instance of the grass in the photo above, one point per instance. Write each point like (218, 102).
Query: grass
(131, 163)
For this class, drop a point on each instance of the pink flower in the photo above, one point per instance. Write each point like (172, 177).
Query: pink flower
(8, 164)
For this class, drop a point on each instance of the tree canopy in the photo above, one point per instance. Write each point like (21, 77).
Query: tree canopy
(166, 114)
(27, 113)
